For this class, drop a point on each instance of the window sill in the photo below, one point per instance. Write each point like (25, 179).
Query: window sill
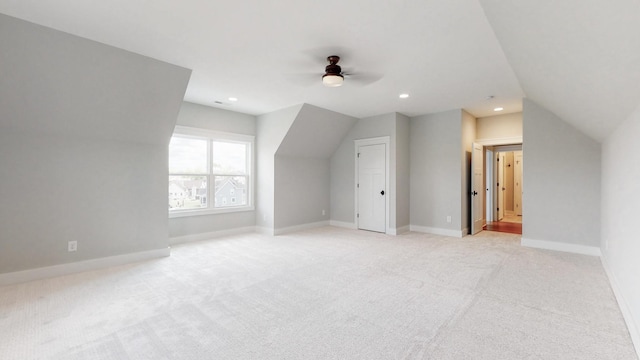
(189, 213)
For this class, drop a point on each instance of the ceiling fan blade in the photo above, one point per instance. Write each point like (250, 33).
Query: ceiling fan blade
(362, 78)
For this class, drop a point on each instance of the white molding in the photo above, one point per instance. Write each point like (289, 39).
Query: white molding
(634, 329)
(264, 230)
(81, 266)
(557, 246)
(341, 224)
(386, 140)
(210, 235)
(466, 231)
(301, 227)
(400, 230)
(500, 141)
(436, 231)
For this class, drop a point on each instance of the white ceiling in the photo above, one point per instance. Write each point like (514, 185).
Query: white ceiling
(271, 55)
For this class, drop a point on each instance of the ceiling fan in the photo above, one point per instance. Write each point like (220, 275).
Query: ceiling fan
(333, 72)
(334, 76)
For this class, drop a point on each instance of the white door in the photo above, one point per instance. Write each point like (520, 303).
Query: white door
(501, 185)
(372, 187)
(477, 185)
(517, 183)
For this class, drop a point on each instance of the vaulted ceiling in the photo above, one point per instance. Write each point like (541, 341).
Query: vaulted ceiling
(578, 58)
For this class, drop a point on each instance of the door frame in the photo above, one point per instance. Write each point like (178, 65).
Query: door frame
(365, 142)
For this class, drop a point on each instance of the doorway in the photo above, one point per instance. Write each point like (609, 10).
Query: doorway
(372, 207)
(504, 204)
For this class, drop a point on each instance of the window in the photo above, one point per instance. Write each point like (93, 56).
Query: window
(206, 168)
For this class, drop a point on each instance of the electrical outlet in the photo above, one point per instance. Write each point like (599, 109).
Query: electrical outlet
(324, 213)
(72, 246)
(448, 218)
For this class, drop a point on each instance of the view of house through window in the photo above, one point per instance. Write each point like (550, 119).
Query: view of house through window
(208, 172)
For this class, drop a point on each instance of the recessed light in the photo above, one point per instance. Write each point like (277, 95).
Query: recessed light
(233, 99)
(403, 96)
(498, 109)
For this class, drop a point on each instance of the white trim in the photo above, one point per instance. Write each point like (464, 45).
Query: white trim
(210, 136)
(210, 235)
(500, 141)
(265, 230)
(558, 246)
(400, 230)
(436, 231)
(466, 231)
(81, 266)
(633, 328)
(346, 225)
(386, 140)
(295, 228)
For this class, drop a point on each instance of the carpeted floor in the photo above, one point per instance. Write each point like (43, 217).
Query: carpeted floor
(326, 293)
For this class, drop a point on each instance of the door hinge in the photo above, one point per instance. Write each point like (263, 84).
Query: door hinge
(498, 184)
(358, 154)
(358, 185)
(357, 215)
(498, 209)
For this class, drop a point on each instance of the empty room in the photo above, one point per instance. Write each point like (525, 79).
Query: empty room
(399, 179)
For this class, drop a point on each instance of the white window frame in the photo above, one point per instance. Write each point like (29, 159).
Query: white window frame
(211, 136)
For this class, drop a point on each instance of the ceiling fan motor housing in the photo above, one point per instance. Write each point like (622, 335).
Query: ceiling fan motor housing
(333, 68)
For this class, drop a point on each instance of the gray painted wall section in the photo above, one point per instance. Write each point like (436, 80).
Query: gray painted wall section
(403, 164)
(84, 130)
(620, 210)
(302, 174)
(271, 129)
(436, 175)
(205, 117)
(561, 180)
(342, 166)
(301, 191)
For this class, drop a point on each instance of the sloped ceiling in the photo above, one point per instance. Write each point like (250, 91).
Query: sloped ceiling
(271, 55)
(315, 133)
(578, 58)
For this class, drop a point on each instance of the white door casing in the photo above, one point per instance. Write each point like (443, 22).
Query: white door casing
(477, 186)
(501, 185)
(371, 187)
(517, 183)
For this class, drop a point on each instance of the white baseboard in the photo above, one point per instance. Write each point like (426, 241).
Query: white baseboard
(295, 228)
(210, 235)
(400, 230)
(264, 230)
(557, 246)
(634, 329)
(341, 224)
(436, 231)
(81, 266)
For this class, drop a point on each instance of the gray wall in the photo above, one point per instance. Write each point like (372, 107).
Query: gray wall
(561, 180)
(620, 211)
(302, 174)
(436, 172)
(84, 131)
(403, 163)
(271, 129)
(205, 117)
(342, 167)
(301, 191)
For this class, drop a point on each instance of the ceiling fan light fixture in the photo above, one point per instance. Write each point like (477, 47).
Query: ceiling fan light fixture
(332, 80)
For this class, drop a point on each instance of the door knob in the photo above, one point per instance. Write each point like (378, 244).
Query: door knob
(474, 193)
(382, 192)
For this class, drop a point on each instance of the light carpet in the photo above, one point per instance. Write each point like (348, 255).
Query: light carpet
(326, 293)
